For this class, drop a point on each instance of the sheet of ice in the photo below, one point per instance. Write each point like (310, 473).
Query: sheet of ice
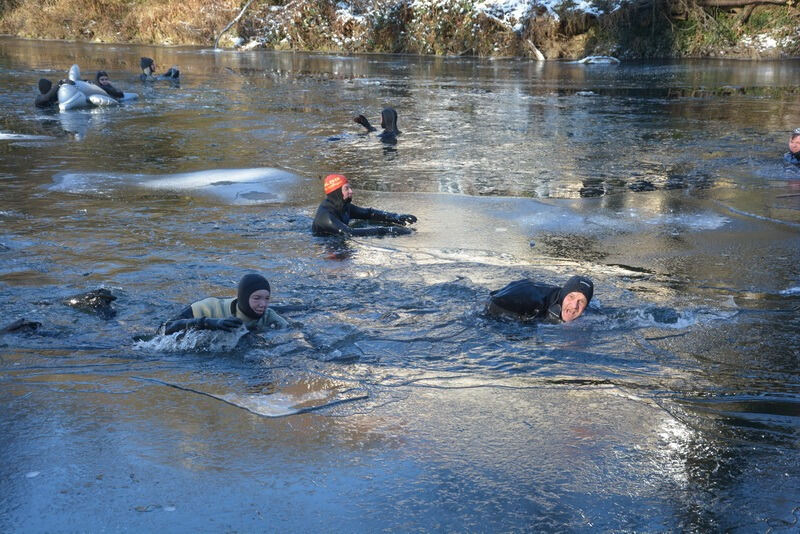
(237, 186)
(9, 136)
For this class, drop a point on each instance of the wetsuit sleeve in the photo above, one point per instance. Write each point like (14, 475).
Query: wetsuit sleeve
(112, 91)
(183, 321)
(49, 98)
(326, 223)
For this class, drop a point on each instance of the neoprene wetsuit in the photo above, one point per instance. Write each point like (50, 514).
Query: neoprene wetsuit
(216, 308)
(334, 214)
(111, 90)
(792, 157)
(49, 94)
(525, 300)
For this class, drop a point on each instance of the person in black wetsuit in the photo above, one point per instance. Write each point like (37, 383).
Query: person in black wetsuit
(49, 93)
(149, 72)
(527, 300)
(793, 156)
(335, 212)
(102, 81)
(388, 123)
(249, 308)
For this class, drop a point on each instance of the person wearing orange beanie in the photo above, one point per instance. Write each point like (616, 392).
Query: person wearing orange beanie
(335, 212)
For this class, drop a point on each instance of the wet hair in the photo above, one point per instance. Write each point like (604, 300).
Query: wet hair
(146, 62)
(581, 284)
(249, 284)
(45, 85)
(100, 74)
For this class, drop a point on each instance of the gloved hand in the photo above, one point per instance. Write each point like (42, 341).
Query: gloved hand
(228, 324)
(405, 218)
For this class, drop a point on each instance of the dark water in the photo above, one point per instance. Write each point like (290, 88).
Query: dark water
(673, 405)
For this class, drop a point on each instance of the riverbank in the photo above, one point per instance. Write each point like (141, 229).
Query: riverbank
(487, 28)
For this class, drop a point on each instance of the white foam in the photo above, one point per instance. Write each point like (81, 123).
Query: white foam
(193, 341)
(791, 291)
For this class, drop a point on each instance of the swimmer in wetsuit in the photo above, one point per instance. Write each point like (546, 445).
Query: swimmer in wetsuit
(149, 72)
(388, 123)
(250, 308)
(334, 213)
(793, 156)
(48, 93)
(528, 300)
(102, 81)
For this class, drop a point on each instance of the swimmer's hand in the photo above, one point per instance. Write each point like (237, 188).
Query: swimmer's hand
(228, 325)
(406, 218)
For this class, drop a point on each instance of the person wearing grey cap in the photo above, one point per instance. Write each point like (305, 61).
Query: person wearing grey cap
(149, 72)
(793, 156)
(250, 308)
(528, 300)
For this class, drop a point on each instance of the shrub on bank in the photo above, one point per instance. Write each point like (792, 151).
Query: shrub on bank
(132, 21)
(556, 28)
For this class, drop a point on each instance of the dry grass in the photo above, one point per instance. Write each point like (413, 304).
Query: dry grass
(137, 21)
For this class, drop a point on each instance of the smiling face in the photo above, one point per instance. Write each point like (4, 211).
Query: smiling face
(573, 306)
(794, 143)
(259, 300)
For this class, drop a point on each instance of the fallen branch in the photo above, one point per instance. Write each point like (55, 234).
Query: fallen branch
(231, 23)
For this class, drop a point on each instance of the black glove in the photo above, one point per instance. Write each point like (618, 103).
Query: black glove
(229, 324)
(405, 218)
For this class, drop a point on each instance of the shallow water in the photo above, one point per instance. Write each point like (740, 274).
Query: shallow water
(674, 404)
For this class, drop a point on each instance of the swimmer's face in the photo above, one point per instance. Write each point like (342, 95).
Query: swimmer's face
(259, 300)
(794, 144)
(573, 306)
(103, 80)
(347, 191)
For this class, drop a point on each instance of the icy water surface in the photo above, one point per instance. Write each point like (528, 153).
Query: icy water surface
(394, 403)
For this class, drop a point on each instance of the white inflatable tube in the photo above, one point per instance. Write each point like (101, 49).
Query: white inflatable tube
(102, 100)
(70, 97)
(74, 73)
(80, 94)
(89, 88)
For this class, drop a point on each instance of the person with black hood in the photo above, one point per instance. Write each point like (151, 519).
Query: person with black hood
(388, 123)
(528, 300)
(250, 308)
(335, 212)
(149, 71)
(48, 93)
(102, 81)
(793, 156)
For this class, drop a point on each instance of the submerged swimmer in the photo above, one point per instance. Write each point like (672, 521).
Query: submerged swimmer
(793, 156)
(334, 213)
(388, 123)
(527, 300)
(149, 71)
(250, 308)
(102, 81)
(48, 93)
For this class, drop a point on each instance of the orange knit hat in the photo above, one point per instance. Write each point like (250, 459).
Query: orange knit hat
(334, 182)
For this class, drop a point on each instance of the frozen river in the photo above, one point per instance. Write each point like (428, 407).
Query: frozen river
(672, 405)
